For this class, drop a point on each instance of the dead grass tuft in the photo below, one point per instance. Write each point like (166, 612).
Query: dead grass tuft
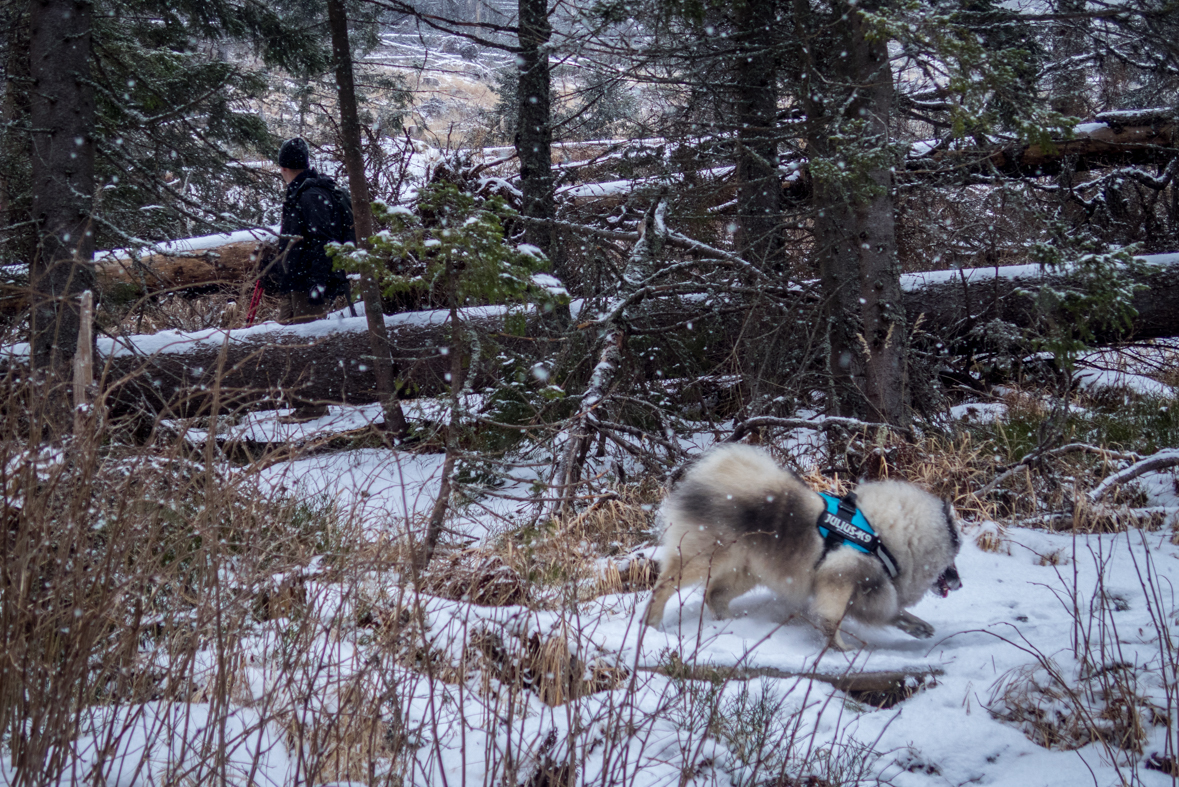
(618, 521)
(955, 469)
(1102, 707)
(349, 743)
(992, 537)
(477, 576)
(1057, 557)
(820, 483)
(1107, 517)
(567, 557)
(543, 665)
(633, 574)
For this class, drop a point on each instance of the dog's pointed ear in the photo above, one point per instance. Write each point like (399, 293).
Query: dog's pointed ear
(951, 523)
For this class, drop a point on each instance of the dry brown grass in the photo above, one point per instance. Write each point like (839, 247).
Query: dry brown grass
(1057, 557)
(1103, 707)
(631, 574)
(478, 577)
(586, 554)
(992, 537)
(1170, 374)
(139, 573)
(542, 664)
(956, 468)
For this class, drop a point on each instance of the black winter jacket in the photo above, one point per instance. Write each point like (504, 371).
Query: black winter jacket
(310, 212)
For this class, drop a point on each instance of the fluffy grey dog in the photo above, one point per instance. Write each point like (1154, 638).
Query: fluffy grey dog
(736, 520)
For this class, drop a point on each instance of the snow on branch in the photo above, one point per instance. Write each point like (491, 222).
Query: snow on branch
(817, 424)
(1040, 453)
(1160, 461)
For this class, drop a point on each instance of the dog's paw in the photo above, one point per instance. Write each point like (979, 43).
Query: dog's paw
(913, 626)
(837, 642)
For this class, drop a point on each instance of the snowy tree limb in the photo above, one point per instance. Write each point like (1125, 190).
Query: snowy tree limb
(1160, 461)
(1038, 454)
(815, 424)
(568, 474)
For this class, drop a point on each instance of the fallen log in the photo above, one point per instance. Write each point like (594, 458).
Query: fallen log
(881, 688)
(329, 360)
(1136, 137)
(1167, 458)
(267, 365)
(226, 265)
(1114, 139)
(953, 303)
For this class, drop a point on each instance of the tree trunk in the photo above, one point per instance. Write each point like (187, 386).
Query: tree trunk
(855, 232)
(363, 217)
(1068, 86)
(456, 379)
(759, 189)
(62, 118)
(15, 152)
(534, 130)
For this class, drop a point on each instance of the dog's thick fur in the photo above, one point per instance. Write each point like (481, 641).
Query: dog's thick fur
(736, 520)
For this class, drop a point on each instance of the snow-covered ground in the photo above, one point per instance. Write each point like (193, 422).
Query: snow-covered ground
(1045, 625)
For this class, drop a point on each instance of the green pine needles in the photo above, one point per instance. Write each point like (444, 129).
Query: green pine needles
(455, 245)
(1092, 294)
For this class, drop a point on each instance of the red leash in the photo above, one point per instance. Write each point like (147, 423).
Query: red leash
(254, 301)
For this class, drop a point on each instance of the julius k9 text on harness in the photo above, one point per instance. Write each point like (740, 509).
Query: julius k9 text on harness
(844, 523)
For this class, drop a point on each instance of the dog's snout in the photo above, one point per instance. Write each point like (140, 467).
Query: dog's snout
(948, 580)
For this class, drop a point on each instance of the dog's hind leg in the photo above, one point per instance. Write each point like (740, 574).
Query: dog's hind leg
(912, 625)
(724, 586)
(671, 576)
(664, 587)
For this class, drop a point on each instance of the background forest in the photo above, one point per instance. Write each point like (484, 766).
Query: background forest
(930, 240)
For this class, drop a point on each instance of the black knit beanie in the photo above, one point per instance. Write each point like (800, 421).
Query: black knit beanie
(294, 154)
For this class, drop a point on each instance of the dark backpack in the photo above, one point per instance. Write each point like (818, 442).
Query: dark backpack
(342, 205)
(270, 257)
(342, 202)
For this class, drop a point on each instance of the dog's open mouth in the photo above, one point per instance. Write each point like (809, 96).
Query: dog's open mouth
(948, 580)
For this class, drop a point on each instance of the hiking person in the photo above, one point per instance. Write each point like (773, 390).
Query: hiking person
(315, 212)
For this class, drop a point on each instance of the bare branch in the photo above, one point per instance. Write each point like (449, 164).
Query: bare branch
(1160, 461)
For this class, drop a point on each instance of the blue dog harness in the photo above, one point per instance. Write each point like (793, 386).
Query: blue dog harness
(844, 523)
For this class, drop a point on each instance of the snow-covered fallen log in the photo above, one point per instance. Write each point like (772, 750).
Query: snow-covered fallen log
(228, 265)
(209, 260)
(884, 688)
(1118, 138)
(327, 360)
(955, 302)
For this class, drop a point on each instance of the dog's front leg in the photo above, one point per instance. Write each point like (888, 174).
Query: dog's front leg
(831, 605)
(912, 625)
